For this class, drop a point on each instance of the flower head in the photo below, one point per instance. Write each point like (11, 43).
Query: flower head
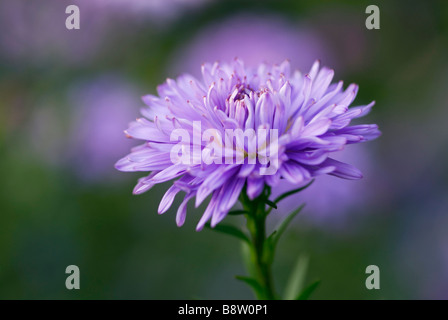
(243, 127)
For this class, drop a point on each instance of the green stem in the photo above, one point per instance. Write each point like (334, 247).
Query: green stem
(261, 255)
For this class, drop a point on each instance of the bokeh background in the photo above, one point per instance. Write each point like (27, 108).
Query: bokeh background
(67, 95)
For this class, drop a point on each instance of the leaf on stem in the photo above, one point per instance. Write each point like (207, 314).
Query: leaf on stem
(230, 230)
(251, 282)
(275, 236)
(271, 203)
(306, 293)
(297, 279)
(290, 193)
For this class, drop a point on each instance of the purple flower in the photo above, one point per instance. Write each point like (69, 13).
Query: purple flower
(309, 116)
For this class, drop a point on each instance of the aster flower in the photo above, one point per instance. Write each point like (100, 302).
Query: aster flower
(310, 116)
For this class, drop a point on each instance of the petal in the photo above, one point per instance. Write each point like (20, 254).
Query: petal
(294, 172)
(343, 170)
(216, 179)
(144, 184)
(168, 199)
(208, 212)
(182, 210)
(311, 158)
(254, 187)
(316, 128)
(146, 130)
(170, 173)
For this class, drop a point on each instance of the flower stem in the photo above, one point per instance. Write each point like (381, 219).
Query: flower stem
(261, 255)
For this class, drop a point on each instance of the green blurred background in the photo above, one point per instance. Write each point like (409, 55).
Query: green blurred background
(67, 95)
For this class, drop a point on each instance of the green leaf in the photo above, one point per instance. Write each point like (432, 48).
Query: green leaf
(297, 279)
(275, 236)
(271, 204)
(290, 193)
(230, 230)
(238, 212)
(256, 287)
(306, 293)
